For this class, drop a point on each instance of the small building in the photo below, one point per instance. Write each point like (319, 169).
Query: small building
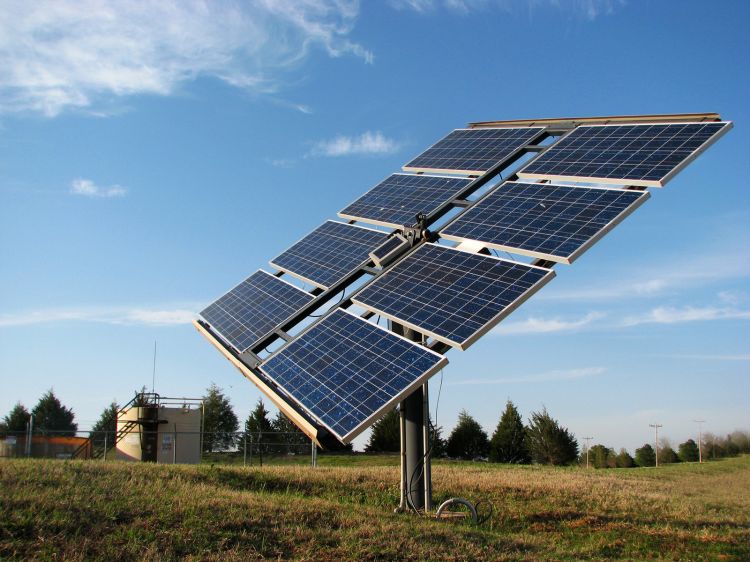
(159, 429)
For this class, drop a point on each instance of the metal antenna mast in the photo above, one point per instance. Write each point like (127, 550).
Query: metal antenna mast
(588, 441)
(656, 427)
(700, 439)
(153, 372)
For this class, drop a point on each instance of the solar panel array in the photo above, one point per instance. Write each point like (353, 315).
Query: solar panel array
(546, 221)
(398, 199)
(347, 371)
(329, 253)
(472, 151)
(646, 155)
(344, 371)
(451, 295)
(254, 308)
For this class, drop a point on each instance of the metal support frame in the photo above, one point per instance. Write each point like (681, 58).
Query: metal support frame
(416, 448)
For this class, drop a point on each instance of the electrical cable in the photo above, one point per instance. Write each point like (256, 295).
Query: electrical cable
(419, 469)
(343, 294)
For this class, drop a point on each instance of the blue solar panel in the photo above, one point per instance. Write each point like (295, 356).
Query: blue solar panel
(451, 295)
(472, 151)
(329, 253)
(347, 372)
(546, 221)
(254, 308)
(398, 199)
(646, 155)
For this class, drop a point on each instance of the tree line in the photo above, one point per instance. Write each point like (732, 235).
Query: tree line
(543, 440)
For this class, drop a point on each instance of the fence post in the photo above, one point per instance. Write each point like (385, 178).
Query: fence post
(244, 451)
(104, 457)
(174, 445)
(313, 454)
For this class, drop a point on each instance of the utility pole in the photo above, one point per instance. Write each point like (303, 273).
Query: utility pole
(656, 427)
(588, 441)
(700, 439)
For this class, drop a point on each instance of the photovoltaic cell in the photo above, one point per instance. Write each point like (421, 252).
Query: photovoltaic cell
(254, 308)
(398, 199)
(646, 155)
(451, 295)
(545, 221)
(329, 253)
(472, 151)
(347, 371)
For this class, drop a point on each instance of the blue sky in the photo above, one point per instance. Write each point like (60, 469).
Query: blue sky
(152, 155)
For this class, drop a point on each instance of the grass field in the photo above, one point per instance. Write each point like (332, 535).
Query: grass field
(72, 510)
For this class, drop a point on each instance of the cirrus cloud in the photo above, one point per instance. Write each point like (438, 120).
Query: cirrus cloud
(59, 55)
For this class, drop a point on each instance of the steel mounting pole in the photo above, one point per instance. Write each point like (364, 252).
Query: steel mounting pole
(416, 474)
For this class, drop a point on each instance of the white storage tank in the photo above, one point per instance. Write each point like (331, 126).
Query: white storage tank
(163, 430)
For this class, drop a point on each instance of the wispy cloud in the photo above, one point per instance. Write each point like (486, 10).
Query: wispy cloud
(708, 357)
(88, 188)
(534, 325)
(548, 376)
(589, 9)
(672, 315)
(58, 54)
(683, 273)
(367, 143)
(106, 315)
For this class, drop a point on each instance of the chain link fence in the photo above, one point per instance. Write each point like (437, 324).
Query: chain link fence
(166, 446)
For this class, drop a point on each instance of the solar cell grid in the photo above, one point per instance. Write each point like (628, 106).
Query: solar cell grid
(545, 221)
(472, 151)
(254, 308)
(347, 371)
(647, 155)
(329, 253)
(397, 200)
(451, 295)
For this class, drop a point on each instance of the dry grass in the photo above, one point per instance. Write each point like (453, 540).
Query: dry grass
(76, 510)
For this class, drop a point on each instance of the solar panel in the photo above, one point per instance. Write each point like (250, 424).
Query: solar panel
(347, 371)
(254, 308)
(472, 151)
(398, 199)
(329, 253)
(451, 295)
(547, 221)
(645, 155)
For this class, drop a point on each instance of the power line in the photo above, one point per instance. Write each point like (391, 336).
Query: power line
(588, 440)
(700, 439)
(656, 427)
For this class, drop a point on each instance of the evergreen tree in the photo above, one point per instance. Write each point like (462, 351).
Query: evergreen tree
(624, 460)
(219, 421)
(15, 422)
(288, 436)
(437, 442)
(106, 424)
(51, 416)
(688, 451)
(508, 443)
(467, 440)
(386, 434)
(548, 442)
(259, 430)
(645, 456)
